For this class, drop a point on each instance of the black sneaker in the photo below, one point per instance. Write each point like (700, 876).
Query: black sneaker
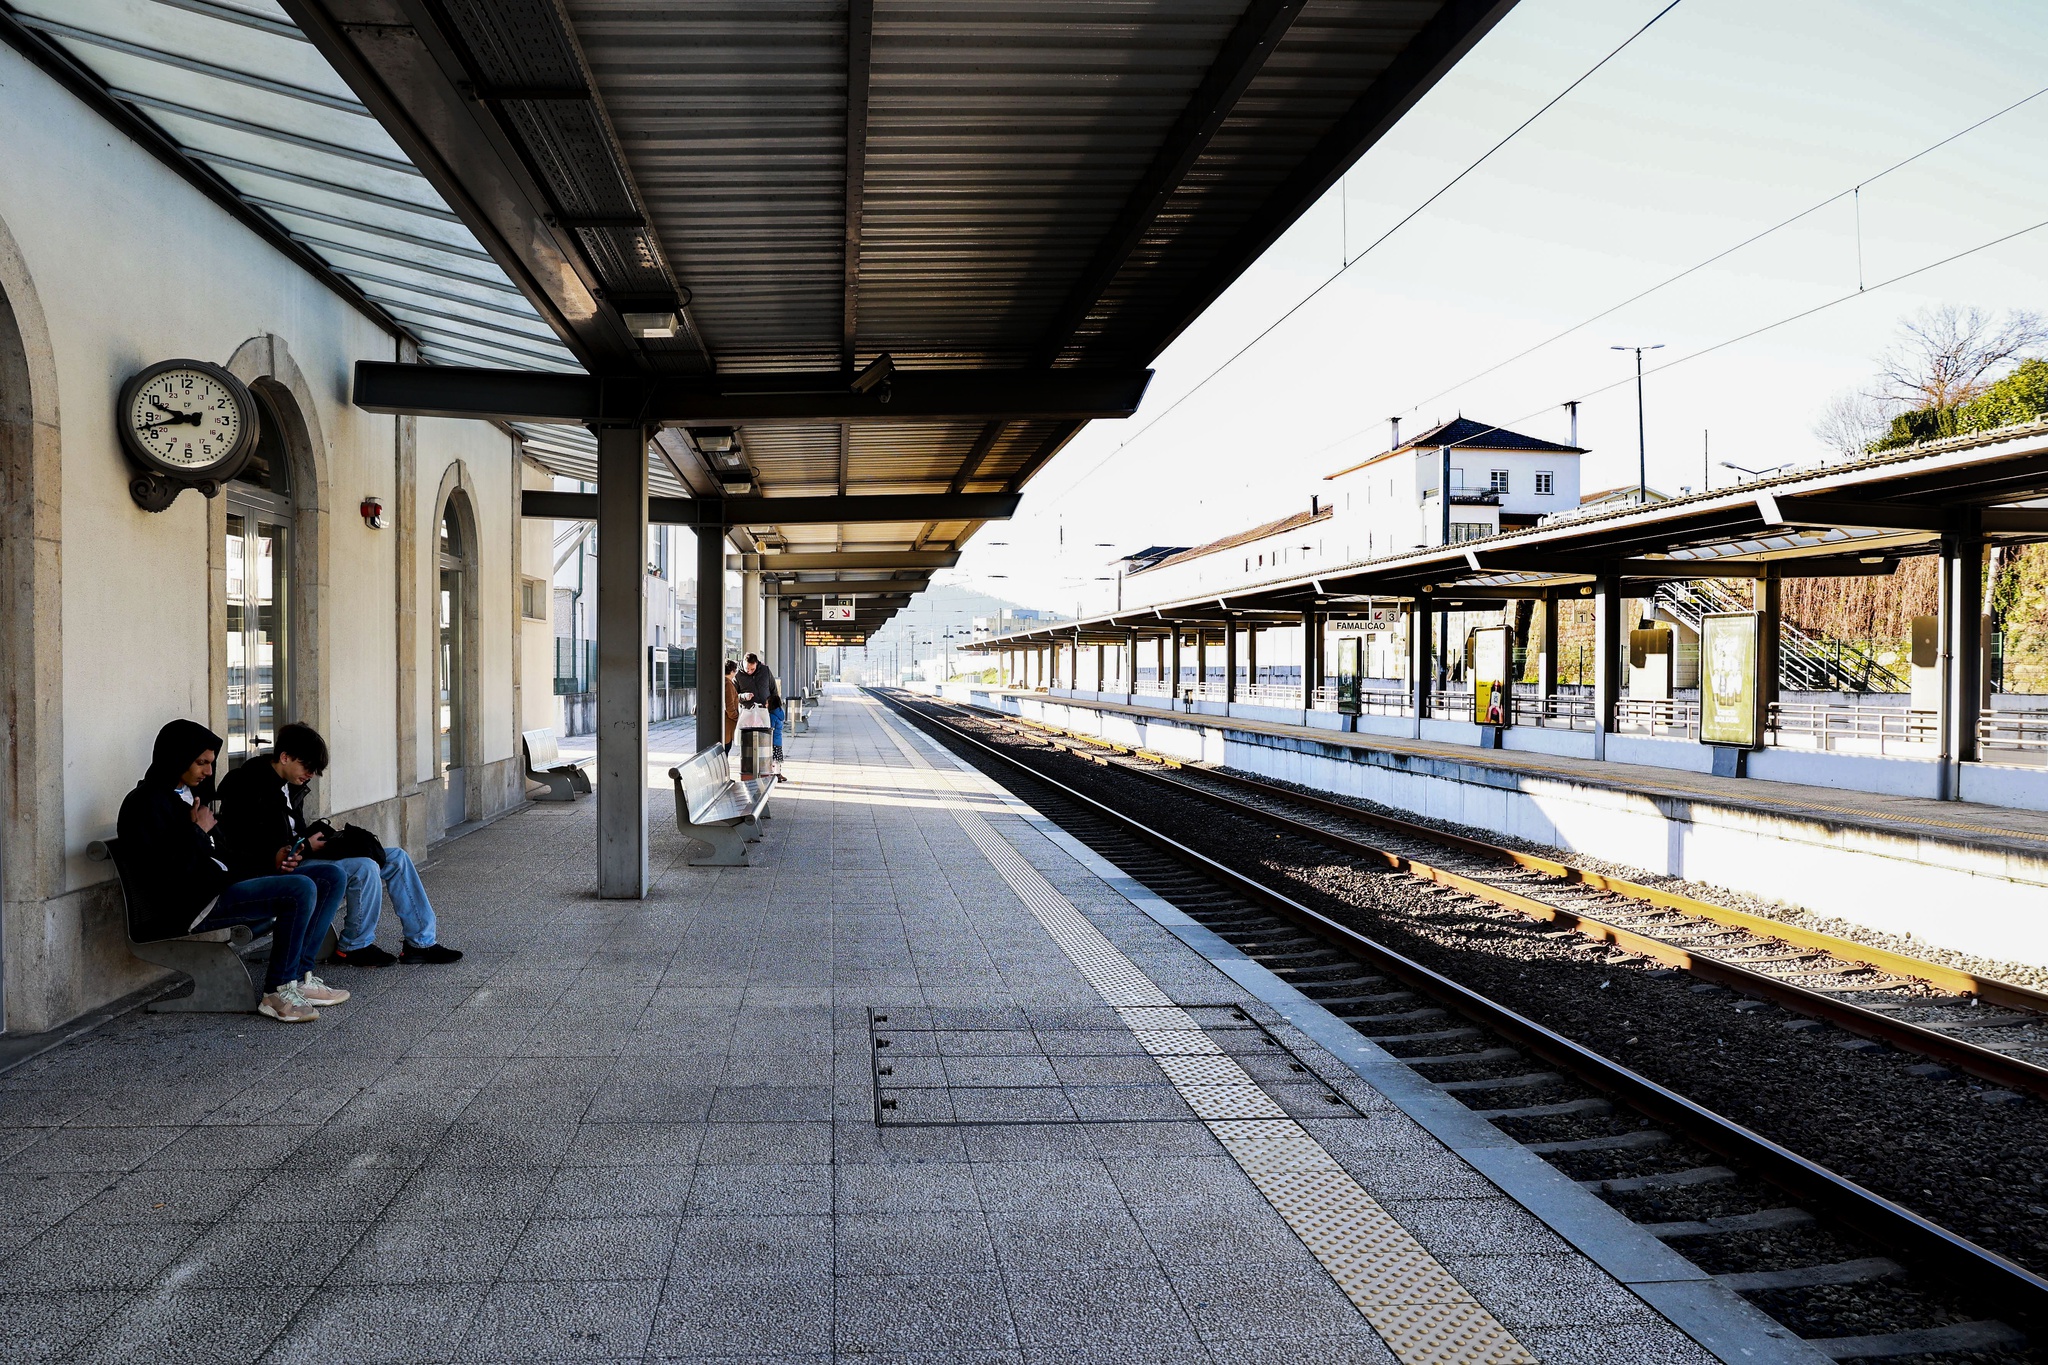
(433, 952)
(369, 955)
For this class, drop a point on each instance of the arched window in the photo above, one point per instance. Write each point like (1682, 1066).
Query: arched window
(260, 599)
(453, 614)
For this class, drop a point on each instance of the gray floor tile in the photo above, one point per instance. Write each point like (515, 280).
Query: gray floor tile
(80, 1256)
(1099, 1306)
(196, 1325)
(953, 1242)
(762, 1190)
(943, 1312)
(381, 1325)
(743, 1314)
(429, 1251)
(563, 1320)
(1051, 1241)
(594, 1249)
(244, 1254)
(714, 1247)
(1284, 1301)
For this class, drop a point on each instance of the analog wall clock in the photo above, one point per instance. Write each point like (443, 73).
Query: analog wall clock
(185, 424)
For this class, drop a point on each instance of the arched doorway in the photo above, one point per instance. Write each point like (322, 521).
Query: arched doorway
(262, 601)
(456, 720)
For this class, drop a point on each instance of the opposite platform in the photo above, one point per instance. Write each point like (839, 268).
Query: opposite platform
(671, 1130)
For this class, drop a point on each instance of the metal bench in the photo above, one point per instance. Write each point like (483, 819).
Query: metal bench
(564, 781)
(221, 981)
(718, 811)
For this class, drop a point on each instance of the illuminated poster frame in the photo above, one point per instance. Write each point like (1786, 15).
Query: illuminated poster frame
(1730, 680)
(1493, 695)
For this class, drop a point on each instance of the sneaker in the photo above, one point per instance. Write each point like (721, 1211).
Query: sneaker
(318, 993)
(287, 1006)
(369, 955)
(434, 953)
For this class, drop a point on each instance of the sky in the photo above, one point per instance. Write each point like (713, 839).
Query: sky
(1724, 118)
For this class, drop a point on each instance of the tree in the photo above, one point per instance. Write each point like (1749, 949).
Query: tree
(1852, 422)
(1946, 356)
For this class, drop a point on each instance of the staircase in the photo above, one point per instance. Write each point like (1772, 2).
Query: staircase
(1804, 663)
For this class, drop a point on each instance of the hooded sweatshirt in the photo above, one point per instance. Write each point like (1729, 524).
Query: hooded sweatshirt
(260, 813)
(758, 687)
(169, 869)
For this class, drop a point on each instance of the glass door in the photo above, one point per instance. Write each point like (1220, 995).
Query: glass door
(258, 553)
(450, 667)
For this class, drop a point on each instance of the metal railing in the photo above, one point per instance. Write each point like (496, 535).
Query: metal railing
(1658, 718)
(1561, 712)
(1847, 727)
(575, 666)
(2020, 736)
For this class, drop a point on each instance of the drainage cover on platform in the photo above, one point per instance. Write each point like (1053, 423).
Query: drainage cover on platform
(1089, 1064)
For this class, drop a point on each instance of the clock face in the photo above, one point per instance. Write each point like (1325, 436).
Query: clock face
(186, 417)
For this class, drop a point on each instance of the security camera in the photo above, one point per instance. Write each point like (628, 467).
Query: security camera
(878, 373)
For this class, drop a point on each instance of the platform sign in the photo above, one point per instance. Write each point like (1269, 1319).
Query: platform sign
(1374, 620)
(813, 635)
(1730, 684)
(1492, 692)
(838, 609)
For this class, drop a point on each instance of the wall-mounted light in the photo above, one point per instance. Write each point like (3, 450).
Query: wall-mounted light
(654, 325)
(373, 512)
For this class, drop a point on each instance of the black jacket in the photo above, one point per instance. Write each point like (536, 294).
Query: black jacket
(166, 862)
(758, 688)
(260, 813)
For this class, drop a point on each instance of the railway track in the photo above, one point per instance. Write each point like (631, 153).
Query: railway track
(1856, 1274)
(1995, 1030)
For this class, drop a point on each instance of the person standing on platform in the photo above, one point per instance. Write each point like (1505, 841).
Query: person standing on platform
(732, 704)
(757, 688)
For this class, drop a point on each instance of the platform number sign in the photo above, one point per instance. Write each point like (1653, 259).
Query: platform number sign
(1729, 681)
(838, 609)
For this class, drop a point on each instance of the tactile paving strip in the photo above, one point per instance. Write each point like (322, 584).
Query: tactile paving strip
(1418, 1308)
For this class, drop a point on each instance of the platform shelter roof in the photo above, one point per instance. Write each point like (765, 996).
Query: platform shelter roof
(1851, 519)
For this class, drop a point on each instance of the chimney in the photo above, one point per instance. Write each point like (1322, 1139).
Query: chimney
(1573, 408)
(1315, 504)
(1393, 433)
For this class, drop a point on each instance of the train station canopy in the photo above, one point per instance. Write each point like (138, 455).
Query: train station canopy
(1856, 518)
(716, 216)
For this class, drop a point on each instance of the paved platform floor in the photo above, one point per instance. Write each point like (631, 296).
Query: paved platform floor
(662, 1130)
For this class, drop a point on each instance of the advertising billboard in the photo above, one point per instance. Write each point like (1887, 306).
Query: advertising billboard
(1492, 693)
(1730, 684)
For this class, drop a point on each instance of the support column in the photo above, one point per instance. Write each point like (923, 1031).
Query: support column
(1173, 687)
(1074, 665)
(1251, 660)
(1421, 659)
(1311, 659)
(750, 613)
(1607, 605)
(622, 662)
(1769, 654)
(1131, 672)
(710, 636)
(1962, 642)
(1101, 667)
(1546, 666)
(1229, 663)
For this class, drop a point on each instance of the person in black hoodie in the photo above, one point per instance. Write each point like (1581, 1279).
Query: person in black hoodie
(757, 687)
(264, 832)
(177, 883)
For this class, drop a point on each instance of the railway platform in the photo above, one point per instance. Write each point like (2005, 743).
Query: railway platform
(928, 1082)
(1958, 875)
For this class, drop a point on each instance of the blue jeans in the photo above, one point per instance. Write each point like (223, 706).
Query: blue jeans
(299, 906)
(367, 886)
(775, 727)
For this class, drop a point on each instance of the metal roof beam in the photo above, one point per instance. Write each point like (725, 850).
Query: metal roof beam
(846, 587)
(753, 511)
(919, 395)
(1244, 52)
(860, 49)
(311, 144)
(196, 67)
(275, 206)
(802, 562)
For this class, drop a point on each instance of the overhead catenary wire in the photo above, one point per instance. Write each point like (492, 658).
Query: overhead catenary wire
(1371, 246)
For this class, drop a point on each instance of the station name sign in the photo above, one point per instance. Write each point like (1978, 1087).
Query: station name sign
(1371, 621)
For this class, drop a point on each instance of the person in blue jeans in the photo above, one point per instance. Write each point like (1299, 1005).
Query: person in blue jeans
(368, 885)
(178, 882)
(757, 687)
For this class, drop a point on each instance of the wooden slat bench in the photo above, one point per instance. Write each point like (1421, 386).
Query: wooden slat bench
(221, 981)
(564, 781)
(718, 811)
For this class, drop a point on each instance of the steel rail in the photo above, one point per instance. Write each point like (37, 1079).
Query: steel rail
(1983, 1063)
(1979, 1271)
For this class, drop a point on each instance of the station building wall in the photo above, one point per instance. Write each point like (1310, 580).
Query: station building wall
(112, 619)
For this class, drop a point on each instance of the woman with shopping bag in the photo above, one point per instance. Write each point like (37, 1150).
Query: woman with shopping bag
(760, 707)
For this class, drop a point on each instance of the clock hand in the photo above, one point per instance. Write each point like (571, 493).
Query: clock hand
(174, 420)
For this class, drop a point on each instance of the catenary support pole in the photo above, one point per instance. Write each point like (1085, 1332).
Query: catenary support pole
(710, 636)
(1421, 660)
(1546, 666)
(1173, 688)
(1769, 653)
(621, 661)
(1607, 606)
(1230, 692)
(1962, 633)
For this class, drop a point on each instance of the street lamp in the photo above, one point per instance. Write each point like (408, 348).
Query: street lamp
(1642, 453)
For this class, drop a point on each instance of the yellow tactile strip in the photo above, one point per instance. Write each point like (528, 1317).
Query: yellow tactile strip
(1415, 1305)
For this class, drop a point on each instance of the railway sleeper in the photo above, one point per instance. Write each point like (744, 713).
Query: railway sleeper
(1664, 1180)
(1489, 1054)
(1524, 1081)
(1763, 1220)
(1545, 1111)
(1956, 1336)
(1864, 1271)
(1613, 1142)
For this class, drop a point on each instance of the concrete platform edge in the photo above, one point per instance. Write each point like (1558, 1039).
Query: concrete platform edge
(1722, 1322)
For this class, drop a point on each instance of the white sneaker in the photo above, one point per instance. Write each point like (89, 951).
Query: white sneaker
(318, 993)
(287, 1006)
